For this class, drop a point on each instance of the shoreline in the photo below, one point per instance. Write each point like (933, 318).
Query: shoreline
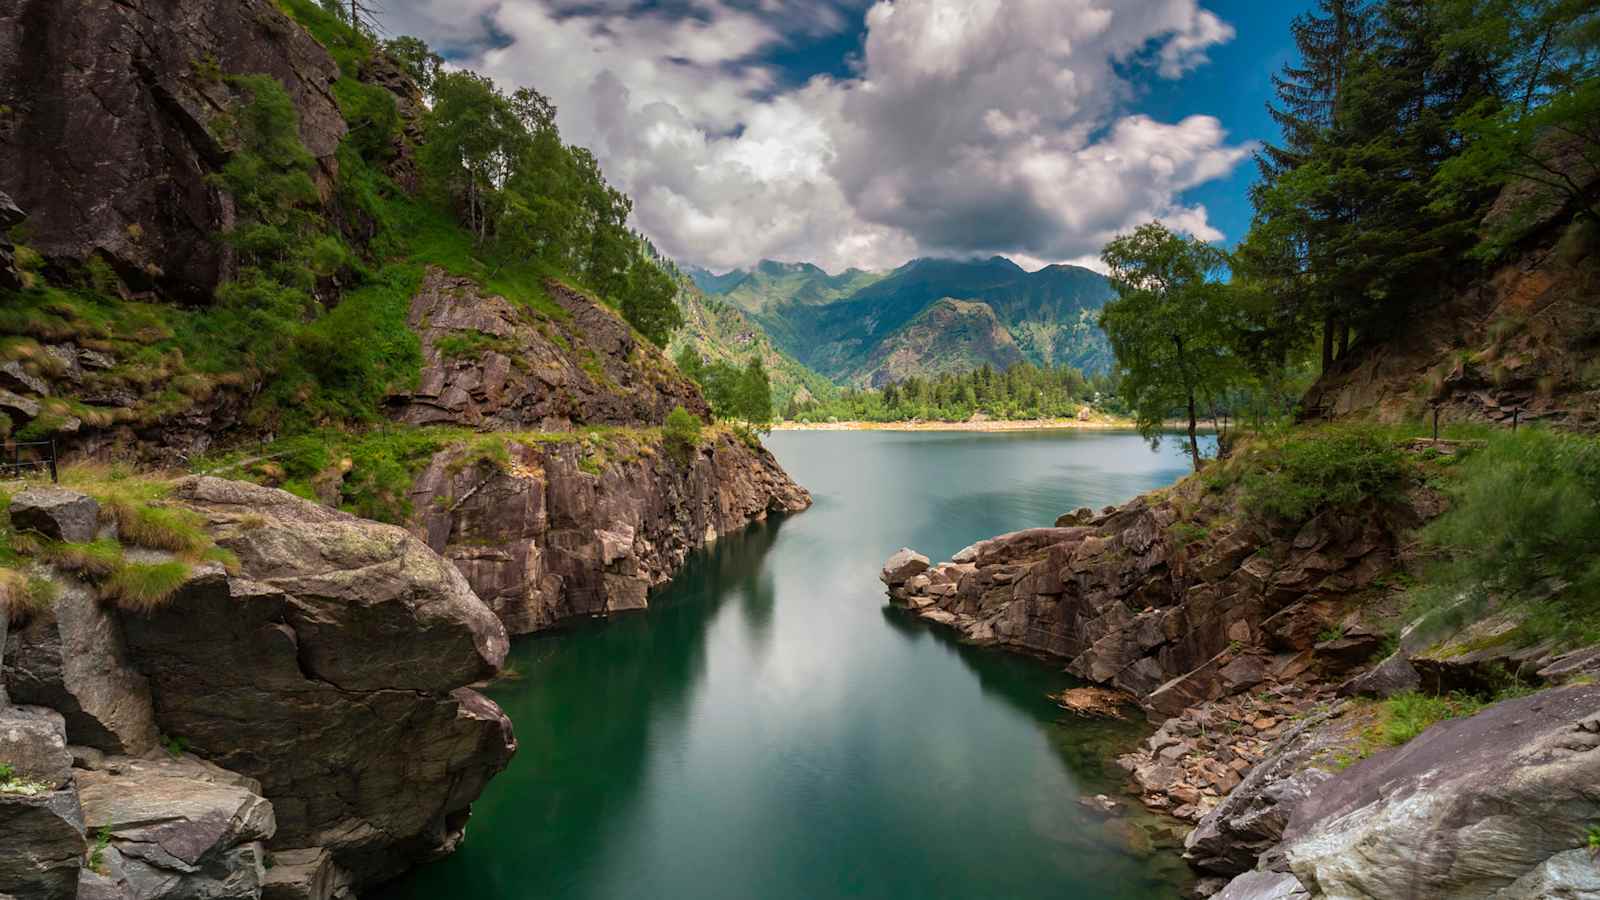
(1096, 424)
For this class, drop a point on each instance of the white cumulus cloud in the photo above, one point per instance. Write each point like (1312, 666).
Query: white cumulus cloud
(964, 127)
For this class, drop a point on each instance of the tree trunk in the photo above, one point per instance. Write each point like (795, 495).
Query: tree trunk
(1327, 343)
(1194, 443)
(1344, 339)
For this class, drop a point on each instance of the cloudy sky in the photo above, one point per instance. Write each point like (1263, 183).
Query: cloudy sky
(868, 132)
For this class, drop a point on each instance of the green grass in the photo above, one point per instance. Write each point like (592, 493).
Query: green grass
(94, 560)
(145, 587)
(1403, 717)
(22, 595)
(1293, 474)
(473, 344)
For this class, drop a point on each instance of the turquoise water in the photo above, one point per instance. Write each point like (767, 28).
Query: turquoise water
(769, 729)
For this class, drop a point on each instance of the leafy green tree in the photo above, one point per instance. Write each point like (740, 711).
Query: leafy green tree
(755, 396)
(417, 59)
(1170, 326)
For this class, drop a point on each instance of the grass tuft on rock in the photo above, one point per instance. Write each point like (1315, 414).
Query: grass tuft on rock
(157, 527)
(23, 595)
(145, 587)
(1295, 474)
(95, 560)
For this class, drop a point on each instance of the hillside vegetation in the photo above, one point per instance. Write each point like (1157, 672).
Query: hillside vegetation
(927, 317)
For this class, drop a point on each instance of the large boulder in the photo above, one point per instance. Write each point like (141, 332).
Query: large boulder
(1469, 808)
(112, 132)
(41, 824)
(903, 566)
(57, 514)
(331, 667)
(71, 658)
(175, 828)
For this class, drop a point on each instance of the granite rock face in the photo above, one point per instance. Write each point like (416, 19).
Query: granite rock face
(331, 668)
(176, 828)
(72, 658)
(41, 824)
(582, 527)
(57, 514)
(1467, 809)
(489, 363)
(107, 142)
(1129, 600)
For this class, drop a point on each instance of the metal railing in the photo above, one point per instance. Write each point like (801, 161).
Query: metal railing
(24, 457)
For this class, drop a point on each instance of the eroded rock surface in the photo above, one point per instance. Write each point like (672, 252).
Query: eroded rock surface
(331, 668)
(1466, 809)
(41, 823)
(175, 828)
(71, 658)
(543, 537)
(1132, 599)
(491, 363)
(106, 137)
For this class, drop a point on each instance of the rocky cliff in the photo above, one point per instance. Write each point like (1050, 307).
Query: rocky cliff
(308, 691)
(1522, 342)
(1176, 597)
(107, 136)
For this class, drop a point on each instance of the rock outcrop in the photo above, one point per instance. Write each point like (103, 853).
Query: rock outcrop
(106, 127)
(565, 528)
(41, 822)
(1500, 804)
(1176, 597)
(323, 668)
(173, 827)
(491, 363)
(332, 668)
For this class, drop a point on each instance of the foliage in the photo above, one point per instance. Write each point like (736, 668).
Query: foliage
(97, 853)
(524, 195)
(145, 587)
(1523, 523)
(1023, 391)
(735, 394)
(1295, 474)
(1403, 717)
(1170, 327)
(681, 433)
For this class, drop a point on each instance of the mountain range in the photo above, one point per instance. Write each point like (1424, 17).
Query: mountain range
(927, 317)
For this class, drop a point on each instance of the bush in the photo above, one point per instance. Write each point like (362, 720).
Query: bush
(1522, 529)
(682, 434)
(1298, 474)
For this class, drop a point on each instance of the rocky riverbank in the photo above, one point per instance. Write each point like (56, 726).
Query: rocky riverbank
(281, 709)
(1258, 645)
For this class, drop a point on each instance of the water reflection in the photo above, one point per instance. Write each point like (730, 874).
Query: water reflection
(769, 730)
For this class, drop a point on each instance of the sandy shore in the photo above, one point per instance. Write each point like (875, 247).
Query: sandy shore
(1097, 423)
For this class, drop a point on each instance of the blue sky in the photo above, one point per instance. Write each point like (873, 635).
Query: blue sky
(862, 133)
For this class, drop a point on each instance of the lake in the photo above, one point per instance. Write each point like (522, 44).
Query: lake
(770, 729)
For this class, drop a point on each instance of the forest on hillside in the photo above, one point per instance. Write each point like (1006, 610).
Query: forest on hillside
(1403, 122)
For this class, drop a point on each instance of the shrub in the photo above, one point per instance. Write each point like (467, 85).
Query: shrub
(145, 587)
(1296, 475)
(1405, 716)
(682, 434)
(1522, 528)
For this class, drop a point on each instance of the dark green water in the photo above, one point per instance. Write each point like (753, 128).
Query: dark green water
(769, 729)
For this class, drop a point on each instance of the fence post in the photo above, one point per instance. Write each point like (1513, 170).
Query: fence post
(1436, 424)
(1516, 416)
(54, 478)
